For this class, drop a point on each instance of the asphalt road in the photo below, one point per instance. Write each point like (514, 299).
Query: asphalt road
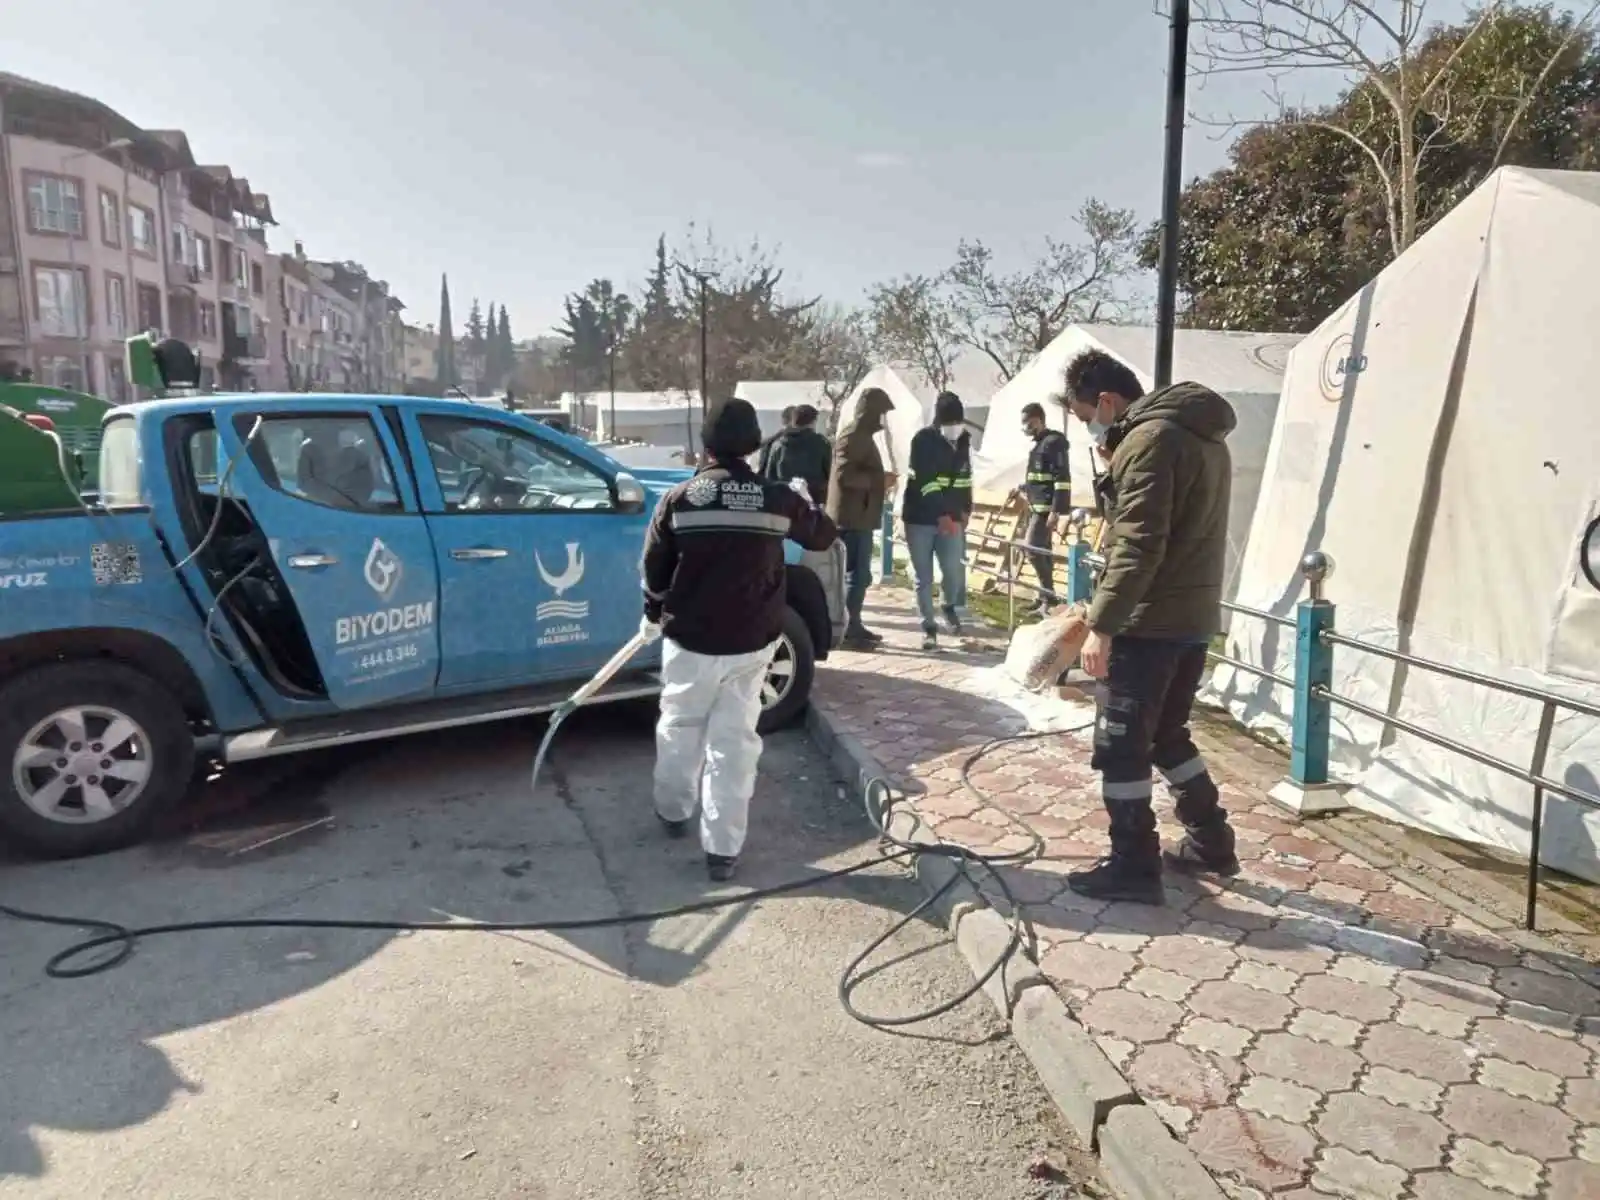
(703, 1056)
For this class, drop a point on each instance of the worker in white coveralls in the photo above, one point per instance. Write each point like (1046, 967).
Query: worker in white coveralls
(714, 588)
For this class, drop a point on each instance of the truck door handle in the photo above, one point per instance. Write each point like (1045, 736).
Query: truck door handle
(472, 553)
(307, 562)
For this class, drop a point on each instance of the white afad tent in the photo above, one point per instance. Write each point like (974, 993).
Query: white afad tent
(1245, 368)
(1439, 437)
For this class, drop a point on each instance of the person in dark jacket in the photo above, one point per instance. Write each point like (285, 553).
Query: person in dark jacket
(857, 487)
(935, 511)
(765, 459)
(800, 452)
(1155, 610)
(714, 588)
(1047, 489)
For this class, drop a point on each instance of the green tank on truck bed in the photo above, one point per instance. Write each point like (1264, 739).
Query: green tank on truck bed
(31, 460)
(257, 575)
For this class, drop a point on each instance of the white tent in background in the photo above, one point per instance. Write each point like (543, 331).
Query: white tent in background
(769, 397)
(669, 418)
(1246, 368)
(1439, 437)
(972, 378)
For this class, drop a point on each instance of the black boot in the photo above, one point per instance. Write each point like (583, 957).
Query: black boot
(1119, 877)
(858, 637)
(675, 829)
(1208, 842)
(1205, 850)
(721, 867)
(952, 621)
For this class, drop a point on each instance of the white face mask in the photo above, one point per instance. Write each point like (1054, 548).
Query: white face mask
(953, 432)
(1098, 431)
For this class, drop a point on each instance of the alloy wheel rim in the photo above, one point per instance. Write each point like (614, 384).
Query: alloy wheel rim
(82, 765)
(780, 674)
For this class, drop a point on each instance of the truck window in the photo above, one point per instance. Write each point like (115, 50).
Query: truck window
(484, 465)
(335, 460)
(120, 483)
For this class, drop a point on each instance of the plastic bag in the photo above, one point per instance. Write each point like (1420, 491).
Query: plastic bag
(1039, 655)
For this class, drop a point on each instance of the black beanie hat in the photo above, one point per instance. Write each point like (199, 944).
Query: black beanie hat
(732, 430)
(947, 409)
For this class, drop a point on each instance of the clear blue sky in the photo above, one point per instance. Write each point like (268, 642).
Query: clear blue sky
(529, 146)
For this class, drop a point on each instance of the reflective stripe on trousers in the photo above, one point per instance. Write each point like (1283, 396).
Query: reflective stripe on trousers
(706, 740)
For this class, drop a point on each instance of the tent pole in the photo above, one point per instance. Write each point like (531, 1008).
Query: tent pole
(1171, 191)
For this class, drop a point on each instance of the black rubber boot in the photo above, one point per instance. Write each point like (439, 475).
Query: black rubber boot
(1120, 878)
(675, 829)
(952, 622)
(930, 637)
(721, 867)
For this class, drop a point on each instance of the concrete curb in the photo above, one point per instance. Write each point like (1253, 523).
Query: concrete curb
(1138, 1155)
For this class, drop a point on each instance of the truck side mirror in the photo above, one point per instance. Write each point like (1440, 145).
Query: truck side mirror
(628, 493)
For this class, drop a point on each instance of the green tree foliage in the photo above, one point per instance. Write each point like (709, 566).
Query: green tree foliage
(445, 358)
(1313, 205)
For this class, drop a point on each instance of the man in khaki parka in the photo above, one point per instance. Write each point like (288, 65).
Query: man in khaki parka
(857, 487)
(1155, 610)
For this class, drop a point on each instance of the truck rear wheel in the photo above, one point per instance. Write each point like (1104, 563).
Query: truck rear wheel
(91, 753)
(787, 688)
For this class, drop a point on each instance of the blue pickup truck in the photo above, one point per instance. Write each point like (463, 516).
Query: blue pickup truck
(258, 575)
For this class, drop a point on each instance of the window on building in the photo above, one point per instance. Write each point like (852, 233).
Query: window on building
(202, 255)
(63, 371)
(258, 280)
(241, 268)
(116, 381)
(110, 219)
(54, 205)
(116, 305)
(61, 302)
(208, 319)
(180, 245)
(148, 297)
(142, 228)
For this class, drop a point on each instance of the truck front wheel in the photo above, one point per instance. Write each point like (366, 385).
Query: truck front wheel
(91, 753)
(787, 687)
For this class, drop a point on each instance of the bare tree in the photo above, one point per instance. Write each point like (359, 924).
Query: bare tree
(1011, 317)
(841, 352)
(1401, 107)
(911, 321)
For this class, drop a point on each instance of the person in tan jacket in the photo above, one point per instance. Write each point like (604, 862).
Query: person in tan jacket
(857, 488)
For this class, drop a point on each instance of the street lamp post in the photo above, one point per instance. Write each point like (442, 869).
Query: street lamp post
(1171, 193)
(611, 359)
(80, 299)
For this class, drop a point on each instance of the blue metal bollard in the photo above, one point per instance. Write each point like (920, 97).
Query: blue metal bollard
(887, 561)
(1313, 668)
(1080, 584)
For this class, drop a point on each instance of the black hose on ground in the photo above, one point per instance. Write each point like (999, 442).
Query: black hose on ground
(879, 799)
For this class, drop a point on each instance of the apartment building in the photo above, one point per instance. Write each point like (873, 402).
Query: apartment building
(421, 358)
(108, 229)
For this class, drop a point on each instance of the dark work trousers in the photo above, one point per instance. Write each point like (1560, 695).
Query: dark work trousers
(858, 570)
(1142, 721)
(1041, 537)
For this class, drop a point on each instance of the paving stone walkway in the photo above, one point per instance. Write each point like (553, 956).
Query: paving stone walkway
(1314, 1027)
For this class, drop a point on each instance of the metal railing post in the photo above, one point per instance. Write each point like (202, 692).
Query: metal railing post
(887, 559)
(1080, 584)
(1541, 749)
(1307, 789)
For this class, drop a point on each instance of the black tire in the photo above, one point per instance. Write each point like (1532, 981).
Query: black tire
(33, 696)
(797, 642)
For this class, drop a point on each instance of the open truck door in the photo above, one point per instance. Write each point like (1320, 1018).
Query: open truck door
(355, 555)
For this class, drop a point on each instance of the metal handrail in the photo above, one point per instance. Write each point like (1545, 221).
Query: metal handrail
(1499, 685)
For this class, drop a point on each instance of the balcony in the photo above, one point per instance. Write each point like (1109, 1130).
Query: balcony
(182, 275)
(237, 347)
